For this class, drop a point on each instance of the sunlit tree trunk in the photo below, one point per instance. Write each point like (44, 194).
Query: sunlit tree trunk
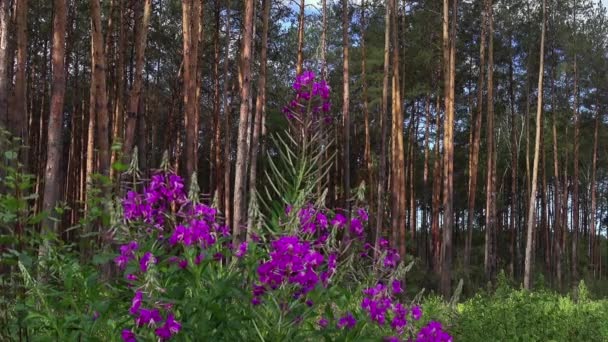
(436, 201)
(345, 104)
(300, 62)
(539, 125)
(227, 125)
(118, 115)
(398, 194)
(216, 150)
(383, 124)
(449, 57)
(260, 105)
(242, 148)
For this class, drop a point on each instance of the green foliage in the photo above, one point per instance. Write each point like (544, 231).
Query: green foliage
(520, 315)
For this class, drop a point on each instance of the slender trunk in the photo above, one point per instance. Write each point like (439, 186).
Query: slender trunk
(227, 125)
(118, 116)
(490, 242)
(398, 159)
(324, 40)
(557, 224)
(449, 54)
(190, 27)
(575, 177)
(241, 156)
(99, 106)
(382, 118)
(141, 34)
(593, 253)
(260, 105)
(300, 62)
(52, 174)
(345, 105)
(216, 150)
(476, 138)
(425, 172)
(367, 152)
(437, 181)
(4, 53)
(539, 124)
(17, 116)
(514, 221)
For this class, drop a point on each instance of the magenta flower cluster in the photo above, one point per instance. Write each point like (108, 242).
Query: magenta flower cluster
(195, 226)
(292, 261)
(433, 332)
(151, 318)
(311, 97)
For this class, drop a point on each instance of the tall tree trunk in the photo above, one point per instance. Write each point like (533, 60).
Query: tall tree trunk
(575, 176)
(345, 105)
(4, 62)
(539, 124)
(449, 60)
(382, 119)
(227, 125)
(476, 138)
(141, 34)
(52, 174)
(260, 105)
(594, 253)
(398, 195)
(242, 149)
(490, 243)
(118, 116)
(99, 106)
(324, 40)
(190, 27)
(557, 224)
(436, 201)
(425, 172)
(367, 152)
(300, 62)
(17, 116)
(514, 221)
(216, 150)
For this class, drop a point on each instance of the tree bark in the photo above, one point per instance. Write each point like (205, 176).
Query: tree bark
(300, 62)
(260, 107)
(382, 115)
(242, 149)
(398, 195)
(141, 34)
(190, 27)
(18, 117)
(539, 125)
(52, 174)
(4, 53)
(449, 57)
(476, 138)
(99, 104)
(490, 242)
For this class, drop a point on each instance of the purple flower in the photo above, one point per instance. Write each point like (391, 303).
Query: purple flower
(392, 339)
(416, 313)
(131, 277)
(433, 332)
(148, 317)
(256, 301)
(396, 284)
(362, 213)
(95, 315)
(339, 221)
(241, 250)
(171, 327)
(347, 321)
(323, 322)
(136, 303)
(391, 259)
(309, 303)
(128, 336)
(146, 261)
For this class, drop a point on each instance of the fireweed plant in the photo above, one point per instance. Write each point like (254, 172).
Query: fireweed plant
(298, 281)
